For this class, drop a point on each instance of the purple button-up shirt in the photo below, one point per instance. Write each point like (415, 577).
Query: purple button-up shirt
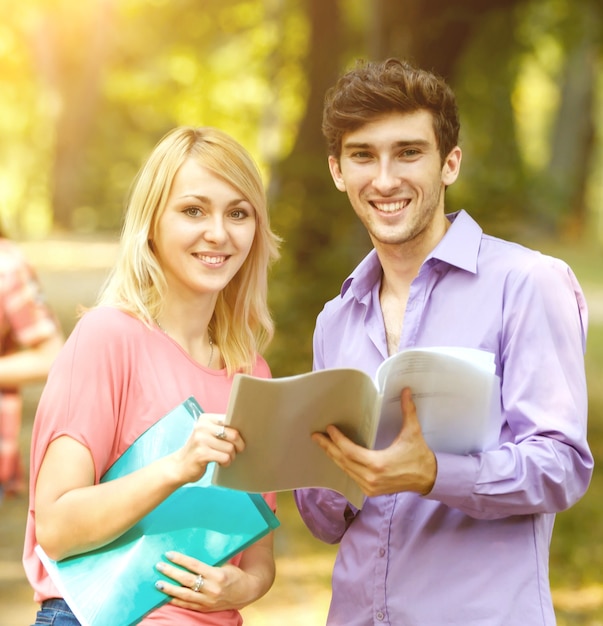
(475, 550)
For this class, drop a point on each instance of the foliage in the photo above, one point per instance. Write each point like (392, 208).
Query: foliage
(88, 88)
(227, 63)
(529, 121)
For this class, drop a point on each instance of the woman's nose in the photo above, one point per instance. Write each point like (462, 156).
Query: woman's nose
(215, 229)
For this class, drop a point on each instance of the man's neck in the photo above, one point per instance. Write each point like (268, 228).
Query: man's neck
(401, 264)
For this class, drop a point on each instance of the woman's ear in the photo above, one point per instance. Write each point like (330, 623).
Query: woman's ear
(336, 173)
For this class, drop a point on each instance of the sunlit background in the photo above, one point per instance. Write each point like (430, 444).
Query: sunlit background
(88, 87)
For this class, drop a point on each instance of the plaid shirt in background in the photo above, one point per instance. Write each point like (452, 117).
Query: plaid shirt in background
(25, 320)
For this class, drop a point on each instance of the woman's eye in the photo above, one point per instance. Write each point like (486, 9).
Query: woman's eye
(193, 211)
(239, 214)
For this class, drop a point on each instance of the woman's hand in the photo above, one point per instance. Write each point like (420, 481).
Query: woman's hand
(209, 442)
(67, 491)
(203, 588)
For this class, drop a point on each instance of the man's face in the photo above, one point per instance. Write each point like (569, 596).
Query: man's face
(392, 172)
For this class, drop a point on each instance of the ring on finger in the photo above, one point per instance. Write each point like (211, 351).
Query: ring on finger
(199, 582)
(221, 432)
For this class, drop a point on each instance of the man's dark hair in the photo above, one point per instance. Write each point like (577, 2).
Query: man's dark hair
(373, 89)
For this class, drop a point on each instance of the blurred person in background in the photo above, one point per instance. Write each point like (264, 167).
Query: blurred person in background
(30, 339)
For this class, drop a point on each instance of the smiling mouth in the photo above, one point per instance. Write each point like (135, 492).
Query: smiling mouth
(211, 260)
(391, 207)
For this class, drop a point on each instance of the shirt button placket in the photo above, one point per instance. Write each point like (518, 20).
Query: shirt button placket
(380, 597)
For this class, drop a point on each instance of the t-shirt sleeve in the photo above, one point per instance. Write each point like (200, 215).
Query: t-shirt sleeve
(82, 395)
(261, 369)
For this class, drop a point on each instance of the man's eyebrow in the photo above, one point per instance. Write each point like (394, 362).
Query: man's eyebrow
(402, 143)
(355, 145)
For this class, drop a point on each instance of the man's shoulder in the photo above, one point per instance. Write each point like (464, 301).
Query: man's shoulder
(514, 256)
(505, 255)
(520, 269)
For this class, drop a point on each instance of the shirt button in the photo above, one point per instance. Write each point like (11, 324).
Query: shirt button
(382, 552)
(380, 616)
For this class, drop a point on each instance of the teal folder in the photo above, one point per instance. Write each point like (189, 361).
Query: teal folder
(115, 585)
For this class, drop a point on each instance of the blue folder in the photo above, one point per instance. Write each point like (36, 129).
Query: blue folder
(115, 585)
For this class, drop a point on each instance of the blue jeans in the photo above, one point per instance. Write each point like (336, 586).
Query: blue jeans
(55, 613)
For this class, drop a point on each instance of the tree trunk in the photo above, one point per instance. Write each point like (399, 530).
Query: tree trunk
(310, 223)
(71, 53)
(430, 33)
(573, 142)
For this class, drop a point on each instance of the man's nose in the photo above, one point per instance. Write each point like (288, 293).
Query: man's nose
(386, 177)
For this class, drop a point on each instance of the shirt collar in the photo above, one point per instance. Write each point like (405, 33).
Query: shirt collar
(459, 247)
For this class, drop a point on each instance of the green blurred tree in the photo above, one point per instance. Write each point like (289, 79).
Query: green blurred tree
(320, 235)
(88, 88)
(559, 191)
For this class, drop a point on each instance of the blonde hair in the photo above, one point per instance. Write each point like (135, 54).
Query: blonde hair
(241, 324)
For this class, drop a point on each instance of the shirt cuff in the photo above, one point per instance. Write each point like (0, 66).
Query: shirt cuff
(455, 480)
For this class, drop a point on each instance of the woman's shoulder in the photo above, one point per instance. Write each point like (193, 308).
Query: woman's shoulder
(105, 324)
(261, 369)
(110, 317)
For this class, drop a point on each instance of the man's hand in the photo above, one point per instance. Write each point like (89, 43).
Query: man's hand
(407, 465)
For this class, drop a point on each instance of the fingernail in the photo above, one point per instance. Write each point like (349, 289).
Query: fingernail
(160, 566)
(159, 585)
(169, 555)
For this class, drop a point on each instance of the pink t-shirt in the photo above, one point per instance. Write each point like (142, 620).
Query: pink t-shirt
(114, 378)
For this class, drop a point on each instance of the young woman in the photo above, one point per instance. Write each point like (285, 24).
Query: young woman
(183, 310)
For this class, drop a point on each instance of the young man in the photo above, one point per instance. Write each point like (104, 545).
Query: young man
(444, 539)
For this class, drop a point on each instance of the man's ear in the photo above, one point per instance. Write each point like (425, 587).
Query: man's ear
(452, 166)
(336, 173)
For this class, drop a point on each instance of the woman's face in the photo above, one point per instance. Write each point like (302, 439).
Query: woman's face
(204, 234)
